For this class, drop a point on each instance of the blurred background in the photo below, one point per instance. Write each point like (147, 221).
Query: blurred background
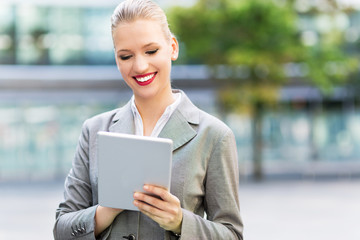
(283, 74)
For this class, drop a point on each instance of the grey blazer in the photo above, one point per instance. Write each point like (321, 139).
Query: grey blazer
(204, 178)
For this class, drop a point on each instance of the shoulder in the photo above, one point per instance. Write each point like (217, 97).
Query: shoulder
(213, 125)
(103, 121)
(202, 121)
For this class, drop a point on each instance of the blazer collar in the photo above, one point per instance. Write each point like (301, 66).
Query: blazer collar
(179, 127)
(123, 121)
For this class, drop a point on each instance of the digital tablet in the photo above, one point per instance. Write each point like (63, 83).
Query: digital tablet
(127, 162)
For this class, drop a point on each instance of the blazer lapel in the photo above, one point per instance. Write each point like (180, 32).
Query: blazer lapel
(179, 128)
(123, 121)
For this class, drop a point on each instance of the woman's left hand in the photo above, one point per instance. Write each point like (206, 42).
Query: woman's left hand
(165, 210)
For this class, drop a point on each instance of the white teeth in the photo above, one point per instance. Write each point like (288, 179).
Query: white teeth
(144, 79)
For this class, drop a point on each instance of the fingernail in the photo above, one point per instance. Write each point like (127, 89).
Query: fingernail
(135, 203)
(146, 187)
(136, 195)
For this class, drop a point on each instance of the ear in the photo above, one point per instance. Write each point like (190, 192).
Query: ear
(174, 48)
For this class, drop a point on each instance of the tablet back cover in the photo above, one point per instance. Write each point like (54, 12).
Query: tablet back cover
(127, 162)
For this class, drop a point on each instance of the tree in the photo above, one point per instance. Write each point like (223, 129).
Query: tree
(255, 40)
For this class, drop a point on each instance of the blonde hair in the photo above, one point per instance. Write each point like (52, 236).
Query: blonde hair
(131, 10)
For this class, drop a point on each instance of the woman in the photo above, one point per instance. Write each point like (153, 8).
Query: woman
(204, 171)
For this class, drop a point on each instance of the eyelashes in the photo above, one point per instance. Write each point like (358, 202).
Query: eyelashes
(127, 57)
(152, 51)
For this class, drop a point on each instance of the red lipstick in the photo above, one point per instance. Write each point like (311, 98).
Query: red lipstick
(145, 79)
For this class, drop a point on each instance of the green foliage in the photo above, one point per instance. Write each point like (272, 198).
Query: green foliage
(263, 36)
(237, 33)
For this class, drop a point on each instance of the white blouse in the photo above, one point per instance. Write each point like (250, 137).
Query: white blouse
(139, 127)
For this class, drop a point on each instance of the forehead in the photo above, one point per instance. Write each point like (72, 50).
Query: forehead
(138, 33)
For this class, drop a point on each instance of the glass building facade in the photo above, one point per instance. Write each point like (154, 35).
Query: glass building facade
(31, 34)
(39, 127)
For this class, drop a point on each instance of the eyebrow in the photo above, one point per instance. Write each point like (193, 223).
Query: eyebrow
(145, 46)
(149, 44)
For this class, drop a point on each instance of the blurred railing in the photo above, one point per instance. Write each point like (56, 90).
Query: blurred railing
(42, 110)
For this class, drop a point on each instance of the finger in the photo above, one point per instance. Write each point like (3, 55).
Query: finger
(151, 200)
(157, 219)
(149, 210)
(158, 186)
(159, 191)
(173, 203)
(164, 219)
(153, 213)
(166, 208)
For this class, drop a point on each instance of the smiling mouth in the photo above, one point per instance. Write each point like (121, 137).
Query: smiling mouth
(145, 79)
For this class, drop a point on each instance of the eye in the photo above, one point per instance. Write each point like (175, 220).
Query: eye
(125, 57)
(151, 52)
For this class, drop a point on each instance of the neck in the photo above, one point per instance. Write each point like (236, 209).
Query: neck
(152, 109)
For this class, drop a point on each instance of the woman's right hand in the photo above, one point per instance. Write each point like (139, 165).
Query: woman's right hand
(104, 216)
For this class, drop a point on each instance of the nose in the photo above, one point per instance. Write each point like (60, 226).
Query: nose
(140, 64)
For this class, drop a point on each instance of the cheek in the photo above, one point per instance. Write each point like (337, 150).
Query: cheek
(124, 71)
(123, 68)
(164, 60)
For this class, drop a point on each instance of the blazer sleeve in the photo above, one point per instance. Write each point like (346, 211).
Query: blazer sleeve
(221, 197)
(75, 215)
